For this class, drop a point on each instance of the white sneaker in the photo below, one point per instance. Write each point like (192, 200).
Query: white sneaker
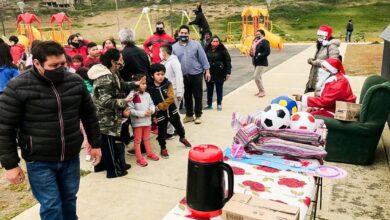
(88, 157)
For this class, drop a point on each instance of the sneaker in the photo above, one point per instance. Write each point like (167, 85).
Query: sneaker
(153, 157)
(131, 152)
(88, 157)
(198, 120)
(169, 137)
(185, 142)
(142, 163)
(164, 154)
(219, 107)
(188, 119)
(208, 107)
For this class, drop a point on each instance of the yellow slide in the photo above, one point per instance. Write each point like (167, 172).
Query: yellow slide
(274, 40)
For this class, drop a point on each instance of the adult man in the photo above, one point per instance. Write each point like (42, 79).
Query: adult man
(175, 76)
(158, 39)
(93, 55)
(135, 59)
(260, 61)
(76, 45)
(334, 87)
(46, 105)
(194, 65)
(349, 31)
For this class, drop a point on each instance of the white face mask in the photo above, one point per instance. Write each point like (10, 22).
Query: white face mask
(161, 56)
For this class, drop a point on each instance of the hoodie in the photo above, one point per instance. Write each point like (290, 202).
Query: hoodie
(6, 74)
(174, 74)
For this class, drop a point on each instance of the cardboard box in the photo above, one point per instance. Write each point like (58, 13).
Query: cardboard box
(346, 111)
(247, 207)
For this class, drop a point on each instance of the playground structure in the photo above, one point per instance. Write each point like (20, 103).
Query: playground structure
(146, 13)
(260, 20)
(27, 32)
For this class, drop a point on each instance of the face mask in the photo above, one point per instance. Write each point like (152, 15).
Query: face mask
(56, 75)
(161, 56)
(325, 42)
(159, 31)
(215, 44)
(121, 66)
(184, 38)
(76, 44)
(258, 37)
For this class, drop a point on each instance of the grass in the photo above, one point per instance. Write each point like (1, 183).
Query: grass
(363, 60)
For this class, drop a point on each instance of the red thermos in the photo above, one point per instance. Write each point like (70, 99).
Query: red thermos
(206, 194)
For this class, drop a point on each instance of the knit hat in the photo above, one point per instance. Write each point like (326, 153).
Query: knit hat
(333, 65)
(325, 30)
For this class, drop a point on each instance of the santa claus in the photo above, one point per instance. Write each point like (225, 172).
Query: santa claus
(334, 87)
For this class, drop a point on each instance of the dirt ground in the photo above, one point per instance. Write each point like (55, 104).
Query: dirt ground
(14, 199)
(363, 59)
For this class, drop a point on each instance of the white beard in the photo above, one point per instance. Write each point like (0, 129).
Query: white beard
(321, 78)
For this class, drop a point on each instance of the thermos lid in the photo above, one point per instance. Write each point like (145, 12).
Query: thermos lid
(205, 153)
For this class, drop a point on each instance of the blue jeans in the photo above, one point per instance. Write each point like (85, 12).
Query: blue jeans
(348, 36)
(55, 185)
(210, 91)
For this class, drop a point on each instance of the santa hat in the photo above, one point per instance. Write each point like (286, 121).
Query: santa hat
(333, 65)
(325, 30)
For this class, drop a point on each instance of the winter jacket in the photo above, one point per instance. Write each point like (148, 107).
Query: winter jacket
(336, 88)
(141, 102)
(89, 61)
(201, 21)
(47, 117)
(83, 50)
(174, 75)
(136, 62)
(156, 41)
(262, 51)
(6, 74)
(220, 63)
(164, 98)
(349, 26)
(109, 92)
(331, 50)
(17, 51)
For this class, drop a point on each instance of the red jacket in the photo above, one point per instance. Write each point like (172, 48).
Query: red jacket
(89, 61)
(336, 88)
(83, 50)
(17, 51)
(156, 41)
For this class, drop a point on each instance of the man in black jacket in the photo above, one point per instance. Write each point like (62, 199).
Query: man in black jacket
(349, 29)
(43, 109)
(260, 60)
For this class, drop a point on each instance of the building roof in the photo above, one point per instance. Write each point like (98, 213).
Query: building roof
(386, 34)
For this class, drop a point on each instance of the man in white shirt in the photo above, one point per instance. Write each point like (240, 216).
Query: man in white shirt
(174, 75)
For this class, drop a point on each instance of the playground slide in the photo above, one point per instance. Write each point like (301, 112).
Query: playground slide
(274, 40)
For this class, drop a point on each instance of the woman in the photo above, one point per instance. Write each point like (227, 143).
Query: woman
(109, 92)
(327, 47)
(8, 70)
(108, 44)
(220, 70)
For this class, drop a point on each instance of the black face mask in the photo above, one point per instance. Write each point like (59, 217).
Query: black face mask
(56, 75)
(159, 31)
(184, 38)
(74, 44)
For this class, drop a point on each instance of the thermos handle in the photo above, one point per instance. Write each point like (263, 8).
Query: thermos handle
(230, 176)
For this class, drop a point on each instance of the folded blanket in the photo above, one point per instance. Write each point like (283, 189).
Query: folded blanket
(283, 147)
(247, 134)
(303, 137)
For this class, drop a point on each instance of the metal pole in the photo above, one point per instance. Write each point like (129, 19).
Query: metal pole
(117, 18)
(170, 16)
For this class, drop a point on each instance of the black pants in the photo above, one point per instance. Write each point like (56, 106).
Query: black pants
(193, 88)
(162, 129)
(113, 156)
(210, 92)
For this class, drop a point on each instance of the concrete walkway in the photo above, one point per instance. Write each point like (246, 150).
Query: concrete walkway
(149, 193)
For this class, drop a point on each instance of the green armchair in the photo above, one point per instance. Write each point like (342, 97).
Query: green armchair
(356, 142)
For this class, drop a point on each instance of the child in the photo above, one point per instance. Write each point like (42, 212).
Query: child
(162, 93)
(93, 55)
(77, 62)
(83, 73)
(141, 110)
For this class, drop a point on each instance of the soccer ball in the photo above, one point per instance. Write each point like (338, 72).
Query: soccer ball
(303, 121)
(275, 117)
(285, 101)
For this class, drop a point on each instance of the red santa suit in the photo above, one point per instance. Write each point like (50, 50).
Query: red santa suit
(335, 87)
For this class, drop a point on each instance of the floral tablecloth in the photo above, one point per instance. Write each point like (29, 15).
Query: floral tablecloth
(296, 189)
